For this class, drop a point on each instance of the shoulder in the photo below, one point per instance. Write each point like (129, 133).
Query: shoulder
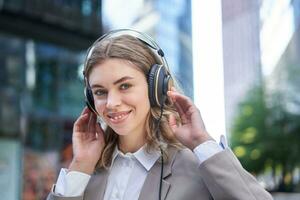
(183, 159)
(185, 155)
(185, 177)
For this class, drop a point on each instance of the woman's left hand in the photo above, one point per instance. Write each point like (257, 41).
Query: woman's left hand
(191, 132)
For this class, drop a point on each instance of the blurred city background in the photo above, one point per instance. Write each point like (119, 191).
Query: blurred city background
(249, 90)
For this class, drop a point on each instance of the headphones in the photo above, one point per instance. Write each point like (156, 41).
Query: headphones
(158, 78)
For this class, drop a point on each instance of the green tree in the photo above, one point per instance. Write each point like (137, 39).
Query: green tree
(266, 135)
(248, 137)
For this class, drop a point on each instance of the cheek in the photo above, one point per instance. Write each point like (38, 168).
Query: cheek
(100, 105)
(142, 102)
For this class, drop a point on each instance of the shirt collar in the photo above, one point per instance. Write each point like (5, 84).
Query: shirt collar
(145, 158)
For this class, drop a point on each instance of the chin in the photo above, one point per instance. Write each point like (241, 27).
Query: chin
(120, 132)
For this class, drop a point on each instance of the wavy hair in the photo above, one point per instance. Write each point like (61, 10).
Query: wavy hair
(133, 50)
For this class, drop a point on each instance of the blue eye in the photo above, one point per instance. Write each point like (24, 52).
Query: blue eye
(99, 92)
(125, 86)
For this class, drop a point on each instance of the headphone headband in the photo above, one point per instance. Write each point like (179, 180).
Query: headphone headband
(158, 78)
(143, 37)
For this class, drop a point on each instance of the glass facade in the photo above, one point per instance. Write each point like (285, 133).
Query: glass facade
(41, 84)
(41, 95)
(175, 38)
(41, 89)
(171, 28)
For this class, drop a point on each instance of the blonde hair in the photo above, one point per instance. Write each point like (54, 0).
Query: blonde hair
(133, 50)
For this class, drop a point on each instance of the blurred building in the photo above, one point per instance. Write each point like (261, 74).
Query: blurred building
(43, 44)
(241, 52)
(175, 38)
(171, 28)
(280, 22)
(259, 38)
(42, 50)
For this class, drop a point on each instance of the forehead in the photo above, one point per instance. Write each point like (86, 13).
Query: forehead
(112, 69)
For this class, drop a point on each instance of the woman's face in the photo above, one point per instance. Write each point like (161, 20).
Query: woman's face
(120, 93)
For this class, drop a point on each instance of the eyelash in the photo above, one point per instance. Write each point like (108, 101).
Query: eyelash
(127, 85)
(101, 92)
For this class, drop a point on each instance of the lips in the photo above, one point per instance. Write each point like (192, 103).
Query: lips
(118, 117)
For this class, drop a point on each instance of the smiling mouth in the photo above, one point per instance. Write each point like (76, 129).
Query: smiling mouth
(118, 117)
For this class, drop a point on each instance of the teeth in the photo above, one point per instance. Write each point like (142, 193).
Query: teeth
(118, 117)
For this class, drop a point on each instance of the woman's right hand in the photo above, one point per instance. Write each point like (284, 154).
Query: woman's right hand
(88, 142)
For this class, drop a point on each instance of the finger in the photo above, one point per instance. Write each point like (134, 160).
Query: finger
(184, 101)
(170, 96)
(81, 122)
(186, 104)
(84, 110)
(92, 123)
(180, 110)
(181, 113)
(173, 89)
(182, 104)
(99, 132)
(172, 123)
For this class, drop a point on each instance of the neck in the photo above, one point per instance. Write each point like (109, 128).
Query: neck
(131, 143)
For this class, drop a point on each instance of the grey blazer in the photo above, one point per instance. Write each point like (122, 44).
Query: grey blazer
(220, 177)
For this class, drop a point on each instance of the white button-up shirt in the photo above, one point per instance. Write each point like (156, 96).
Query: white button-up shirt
(127, 173)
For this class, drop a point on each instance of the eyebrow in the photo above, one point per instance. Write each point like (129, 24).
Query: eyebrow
(125, 78)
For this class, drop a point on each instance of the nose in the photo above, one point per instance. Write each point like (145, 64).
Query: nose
(113, 100)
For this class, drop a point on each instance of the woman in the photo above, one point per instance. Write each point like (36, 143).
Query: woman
(155, 145)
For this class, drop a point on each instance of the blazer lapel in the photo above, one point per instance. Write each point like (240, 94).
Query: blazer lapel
(97, 185)
(150, 189)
